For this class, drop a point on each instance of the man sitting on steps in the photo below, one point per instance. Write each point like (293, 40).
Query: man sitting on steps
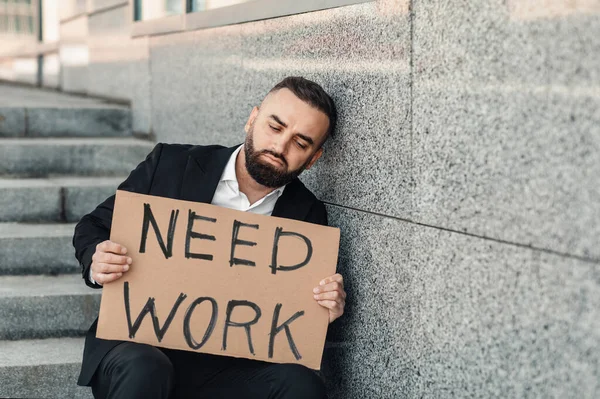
(284, 136)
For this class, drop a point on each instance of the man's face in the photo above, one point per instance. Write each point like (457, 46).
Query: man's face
(283, 139)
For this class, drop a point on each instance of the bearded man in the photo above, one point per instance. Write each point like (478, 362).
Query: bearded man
(284, 137)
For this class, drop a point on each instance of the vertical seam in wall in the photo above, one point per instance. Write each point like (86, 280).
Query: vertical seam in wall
(411, 114)
(414, 309)
(411, 76)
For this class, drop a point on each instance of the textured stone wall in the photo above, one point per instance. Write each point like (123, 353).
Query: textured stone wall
(465, 177)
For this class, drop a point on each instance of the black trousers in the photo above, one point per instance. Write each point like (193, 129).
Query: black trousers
(132, 370)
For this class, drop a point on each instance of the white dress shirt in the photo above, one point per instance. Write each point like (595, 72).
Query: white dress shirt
(228, 194)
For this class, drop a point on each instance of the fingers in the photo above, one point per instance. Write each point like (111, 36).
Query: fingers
(331, 305)
(109, 262)
(101, 267)
(331, 295)
(333, 286)
(107, 257)
(106, 272)
(333, 291)
(336, 277)
(104, 261)
(109, 246)
(103, 278)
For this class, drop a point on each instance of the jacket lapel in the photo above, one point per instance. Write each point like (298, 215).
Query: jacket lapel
(294, 203)
(203, 172)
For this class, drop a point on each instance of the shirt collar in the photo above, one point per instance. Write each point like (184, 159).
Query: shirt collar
(229, 172)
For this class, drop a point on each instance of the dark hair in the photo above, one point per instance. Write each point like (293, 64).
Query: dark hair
(313, 94)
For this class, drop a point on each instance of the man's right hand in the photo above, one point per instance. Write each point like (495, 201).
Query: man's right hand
(109, 262)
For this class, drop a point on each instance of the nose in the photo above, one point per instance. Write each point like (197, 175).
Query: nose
(279, 145)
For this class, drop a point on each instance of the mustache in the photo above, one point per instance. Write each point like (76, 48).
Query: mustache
(274, 154)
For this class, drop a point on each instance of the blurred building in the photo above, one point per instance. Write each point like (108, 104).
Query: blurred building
(17, 21)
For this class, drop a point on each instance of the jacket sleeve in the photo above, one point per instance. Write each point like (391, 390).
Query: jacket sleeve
(94, 227)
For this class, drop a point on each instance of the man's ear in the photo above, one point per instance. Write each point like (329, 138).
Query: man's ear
(251, 118)
(315, 157)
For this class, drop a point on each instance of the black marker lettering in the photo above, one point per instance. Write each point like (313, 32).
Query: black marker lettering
(235, 241)
(280, 233)
(285, 325)
(232, 304)
(209, 329)
(192, 234)
(149, 219)
(149, 308)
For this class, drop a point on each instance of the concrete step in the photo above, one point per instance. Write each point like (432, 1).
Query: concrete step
(37, 249)
(102, 120)
(46, 368)
(31, 112)
(58, 199)
(12, 95)
(46, 306)
(42, 157)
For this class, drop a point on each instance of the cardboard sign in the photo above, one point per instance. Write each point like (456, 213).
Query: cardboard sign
(220, 281)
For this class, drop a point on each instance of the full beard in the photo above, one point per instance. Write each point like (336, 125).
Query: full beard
(265, 174)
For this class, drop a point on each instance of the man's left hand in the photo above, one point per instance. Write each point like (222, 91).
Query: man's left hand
(331, 295)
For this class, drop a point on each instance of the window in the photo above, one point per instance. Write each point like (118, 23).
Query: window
(145, 10)
(16, 17)
(203, 5)
(166, 16)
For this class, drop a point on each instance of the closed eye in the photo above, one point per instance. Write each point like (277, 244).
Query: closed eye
(274, 128)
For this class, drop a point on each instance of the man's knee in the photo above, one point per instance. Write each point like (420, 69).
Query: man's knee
(133, 370)
(144, 361)
(297, 381)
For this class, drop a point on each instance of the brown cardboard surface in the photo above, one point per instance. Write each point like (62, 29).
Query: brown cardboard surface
(205, 289)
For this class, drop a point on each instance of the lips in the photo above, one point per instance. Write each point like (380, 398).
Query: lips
(272, 159)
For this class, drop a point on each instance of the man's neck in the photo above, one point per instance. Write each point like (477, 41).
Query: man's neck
(246, 183)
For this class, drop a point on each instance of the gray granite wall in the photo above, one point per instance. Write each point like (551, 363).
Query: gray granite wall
(465, 177)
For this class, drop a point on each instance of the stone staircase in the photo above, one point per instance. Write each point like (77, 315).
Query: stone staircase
(60, 156)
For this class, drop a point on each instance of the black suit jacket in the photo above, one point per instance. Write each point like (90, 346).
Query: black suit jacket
(179, 171)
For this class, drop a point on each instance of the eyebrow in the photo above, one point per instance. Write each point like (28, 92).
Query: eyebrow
(305, 138)
(302, 136)
(278, 120)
